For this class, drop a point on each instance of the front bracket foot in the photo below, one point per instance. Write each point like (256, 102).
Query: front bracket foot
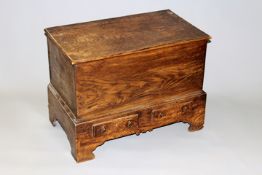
(193, 127)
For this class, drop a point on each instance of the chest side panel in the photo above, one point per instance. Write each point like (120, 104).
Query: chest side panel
(134, 80)
(62, 75)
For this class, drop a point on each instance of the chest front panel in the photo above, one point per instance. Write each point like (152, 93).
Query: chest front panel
(137, 79)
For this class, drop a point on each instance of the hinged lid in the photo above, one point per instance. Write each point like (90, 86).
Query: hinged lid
(101, 39)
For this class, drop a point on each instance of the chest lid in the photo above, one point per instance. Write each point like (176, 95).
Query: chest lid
(102, 39)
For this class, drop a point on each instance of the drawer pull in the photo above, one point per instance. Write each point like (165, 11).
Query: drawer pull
(100, 130)
(103, 129)
(185, 108)
(158, 114)
(161, 114)
(130, 124)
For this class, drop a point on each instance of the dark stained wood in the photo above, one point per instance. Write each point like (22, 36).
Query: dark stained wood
(58, 111)
(116, 77)
(62, 75)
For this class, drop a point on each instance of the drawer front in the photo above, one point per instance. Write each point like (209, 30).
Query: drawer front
(181, 111)
(172, 111)
(186, 109)
(116, 127)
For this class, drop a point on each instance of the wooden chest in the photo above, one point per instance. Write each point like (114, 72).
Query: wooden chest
(121, 76)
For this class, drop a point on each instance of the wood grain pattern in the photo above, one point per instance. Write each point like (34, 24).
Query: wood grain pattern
(62, 75)
(120, 36)
(58, 111)
(138, 78)
(117, 77)
(85, 137)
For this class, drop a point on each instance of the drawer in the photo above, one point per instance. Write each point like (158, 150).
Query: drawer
(116, 127)
(173, 112)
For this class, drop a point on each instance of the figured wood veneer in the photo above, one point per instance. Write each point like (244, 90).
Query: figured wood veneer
(116, 77)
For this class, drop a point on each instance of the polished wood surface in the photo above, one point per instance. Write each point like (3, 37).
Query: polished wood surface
(62, 74)
(138, 79)
(108, 80)
(120, 36)
(86, 136)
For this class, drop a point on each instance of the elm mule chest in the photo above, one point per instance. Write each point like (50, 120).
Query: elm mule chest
(121, 76)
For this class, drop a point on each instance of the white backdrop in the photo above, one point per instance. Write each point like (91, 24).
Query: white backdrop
(231, 141)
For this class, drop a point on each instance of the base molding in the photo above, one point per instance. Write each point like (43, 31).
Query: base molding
(86, 136)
